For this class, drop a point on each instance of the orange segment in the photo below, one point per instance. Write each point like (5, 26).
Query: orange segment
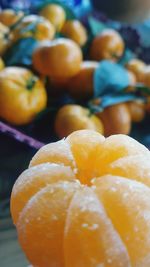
(90, 238)
(116, 147)
(58, 152)
(85, 146)
(133, 167)
(127, 204)
(41, 224)
(32, 180)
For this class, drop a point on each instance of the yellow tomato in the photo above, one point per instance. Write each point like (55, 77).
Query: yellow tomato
(22, 95)
(60, 58)
(81, 85)
(71, 118)
(34, 26)
(55, 14)
(9, 16)
(75, 30)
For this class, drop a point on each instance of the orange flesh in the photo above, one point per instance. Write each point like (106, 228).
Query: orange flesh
(85, 202)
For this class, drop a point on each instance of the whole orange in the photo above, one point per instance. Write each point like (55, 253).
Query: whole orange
(74, 117)
(116, 119)
(22, 95)
(81, 85)
(137, 67)
(60, 58)
(55, 14)
(34, 26)
(75, 30)
(108, 45)
(10, 16)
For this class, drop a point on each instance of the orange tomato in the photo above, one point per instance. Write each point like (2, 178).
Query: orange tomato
(109, 45)
(74, 117)
(137, 67)
(81, 85)
(22, 95)
(73, 29)
(60, 58)
(116, 119)
(34, 26)
(9, 16)
(55, 14)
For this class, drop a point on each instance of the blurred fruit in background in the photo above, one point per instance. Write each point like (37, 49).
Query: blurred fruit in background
(137, 110)
(34, 26)
(60, 58)
(22, 95)
(137, 67)
(9, 16)
(75, 30)
(55, 14)
(5, 38)
(71, 118)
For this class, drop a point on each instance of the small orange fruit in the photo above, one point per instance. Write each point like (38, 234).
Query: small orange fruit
(86, 202)
(9, 16)
(109, 45)
(137, 67)
(137, 110)
(55, 14)
(74, 29)
(81, 86)
(116, 119)
(74, 117)
(60, 58)
(34, 26)
(22, 95)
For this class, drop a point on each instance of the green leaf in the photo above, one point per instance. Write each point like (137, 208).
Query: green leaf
(96, 26)
(113, 99)
(110, 78)
(70, 15)
(21, 52)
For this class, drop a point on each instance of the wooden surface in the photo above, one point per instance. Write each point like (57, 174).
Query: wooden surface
(10, 251)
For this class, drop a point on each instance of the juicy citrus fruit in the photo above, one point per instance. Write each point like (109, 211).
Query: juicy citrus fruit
(85, 201)
(55, 14)
(71, 118)
(60, 58)
(137, 67)
(73, 29)
(81, 86)
(10, 17)
(116, 119)
(108, 45)
(34, 26)
(22, 95)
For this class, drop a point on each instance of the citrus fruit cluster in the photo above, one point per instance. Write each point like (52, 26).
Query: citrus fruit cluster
(59, 67)
(85, 201)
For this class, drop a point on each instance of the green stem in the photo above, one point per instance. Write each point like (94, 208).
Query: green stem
(31, 82)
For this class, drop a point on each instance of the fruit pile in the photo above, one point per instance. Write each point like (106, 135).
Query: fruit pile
(85, 201)
(52, 61)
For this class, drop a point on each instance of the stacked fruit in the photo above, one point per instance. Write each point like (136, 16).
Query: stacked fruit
(53, 62)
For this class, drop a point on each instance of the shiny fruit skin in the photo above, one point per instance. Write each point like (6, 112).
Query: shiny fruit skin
(71, 118)
(137, 67)
(73, 29)
(133, 81)
(137, 111)
(81, 85)
(109, 45)
(9, 17)
(44, 30)
(22, 95)
(116, 119)
(55, 14)
(60, 58)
